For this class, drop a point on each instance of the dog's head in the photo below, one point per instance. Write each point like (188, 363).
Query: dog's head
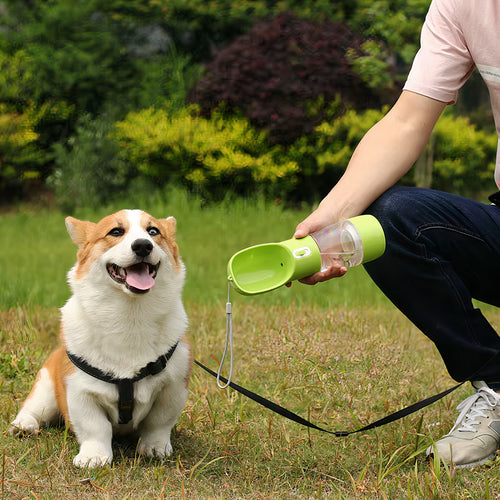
(129, 249)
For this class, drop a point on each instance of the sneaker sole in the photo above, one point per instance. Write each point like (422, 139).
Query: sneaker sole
(464, 466)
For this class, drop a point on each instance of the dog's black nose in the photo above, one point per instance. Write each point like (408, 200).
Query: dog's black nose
(142, 248)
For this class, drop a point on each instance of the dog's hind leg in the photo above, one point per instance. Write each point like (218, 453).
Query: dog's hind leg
(41, 406)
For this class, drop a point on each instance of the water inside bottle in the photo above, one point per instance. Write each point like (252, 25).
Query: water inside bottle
(340, 247)
(329, 259)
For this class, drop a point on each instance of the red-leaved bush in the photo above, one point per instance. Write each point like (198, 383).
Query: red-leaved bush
(277, 73)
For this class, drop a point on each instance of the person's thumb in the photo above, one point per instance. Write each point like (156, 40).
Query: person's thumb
(302, 230)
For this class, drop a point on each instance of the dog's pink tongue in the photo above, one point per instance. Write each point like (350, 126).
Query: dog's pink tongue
(138, 277)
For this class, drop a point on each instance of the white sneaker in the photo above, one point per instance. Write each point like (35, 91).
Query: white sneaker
(475, 437)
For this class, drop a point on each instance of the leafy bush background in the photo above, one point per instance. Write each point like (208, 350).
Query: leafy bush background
(222, 155)
(93, 97)
(209, 156)
(277, 72)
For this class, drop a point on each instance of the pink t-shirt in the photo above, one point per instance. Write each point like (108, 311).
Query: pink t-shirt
(457, 36)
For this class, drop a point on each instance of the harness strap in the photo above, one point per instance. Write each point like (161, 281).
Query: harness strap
(125, 400)
(125, 385)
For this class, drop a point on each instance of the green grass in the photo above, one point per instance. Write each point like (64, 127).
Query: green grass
(336, 353)
(36, 252)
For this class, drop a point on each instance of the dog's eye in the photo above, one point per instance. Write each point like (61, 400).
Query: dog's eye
(153, 231)
(117, 231)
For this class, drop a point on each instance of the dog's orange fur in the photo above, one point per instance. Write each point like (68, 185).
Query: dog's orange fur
(58, 366)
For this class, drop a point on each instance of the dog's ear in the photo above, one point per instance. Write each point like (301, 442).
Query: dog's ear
(171, 225)
(78, 230)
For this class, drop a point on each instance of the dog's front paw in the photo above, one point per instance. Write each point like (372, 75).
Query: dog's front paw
(160, 448)
(93, 455)
(24, 424)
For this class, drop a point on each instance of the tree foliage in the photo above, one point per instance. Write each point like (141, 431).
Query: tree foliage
(280, 68)
(83, 52)
(65, 59)
(395, 24)
(74, 71)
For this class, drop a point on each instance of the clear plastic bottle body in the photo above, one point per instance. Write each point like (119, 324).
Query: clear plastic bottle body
(339, 244)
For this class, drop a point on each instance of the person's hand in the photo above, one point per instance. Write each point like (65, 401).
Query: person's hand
(334, 271)
(316, 221)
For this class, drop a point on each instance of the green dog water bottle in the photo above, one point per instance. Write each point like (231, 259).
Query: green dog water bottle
(262, 268)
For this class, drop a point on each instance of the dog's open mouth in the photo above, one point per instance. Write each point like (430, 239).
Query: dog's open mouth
(138, 278)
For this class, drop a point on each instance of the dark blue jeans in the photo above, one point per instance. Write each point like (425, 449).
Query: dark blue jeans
(442, 251)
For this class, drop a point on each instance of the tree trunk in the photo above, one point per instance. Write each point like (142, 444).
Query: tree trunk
(424, 164)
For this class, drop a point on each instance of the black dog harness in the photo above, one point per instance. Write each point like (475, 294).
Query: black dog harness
(125, 385)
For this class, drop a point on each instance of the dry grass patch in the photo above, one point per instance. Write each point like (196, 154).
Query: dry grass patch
(341, 369)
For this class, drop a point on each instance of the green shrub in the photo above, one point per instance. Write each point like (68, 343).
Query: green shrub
(464, 157)
(198, 26)
(324, 155)
(88, 170)
(166, 80)
(395, 24)
(212, 157)
(16, 77)
(209, 156)
(99, 56)
(19, 156)
(25, 151)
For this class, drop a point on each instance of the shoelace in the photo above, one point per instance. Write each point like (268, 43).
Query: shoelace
(475, 407)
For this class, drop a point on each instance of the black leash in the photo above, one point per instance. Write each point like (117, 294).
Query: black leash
(293, 416)
(125, 385)
(296, 418)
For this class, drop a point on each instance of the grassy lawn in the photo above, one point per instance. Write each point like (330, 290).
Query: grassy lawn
(337, 354)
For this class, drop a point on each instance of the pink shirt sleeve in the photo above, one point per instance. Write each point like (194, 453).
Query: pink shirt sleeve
(443, 63)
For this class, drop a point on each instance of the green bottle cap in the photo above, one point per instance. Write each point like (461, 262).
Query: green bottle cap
(372, 235)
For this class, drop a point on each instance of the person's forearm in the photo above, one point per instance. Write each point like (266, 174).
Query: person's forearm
(384, 155)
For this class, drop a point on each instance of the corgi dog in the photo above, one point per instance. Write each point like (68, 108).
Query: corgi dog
(124, 362)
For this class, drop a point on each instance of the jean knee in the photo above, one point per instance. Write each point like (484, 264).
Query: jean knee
(393, 203)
